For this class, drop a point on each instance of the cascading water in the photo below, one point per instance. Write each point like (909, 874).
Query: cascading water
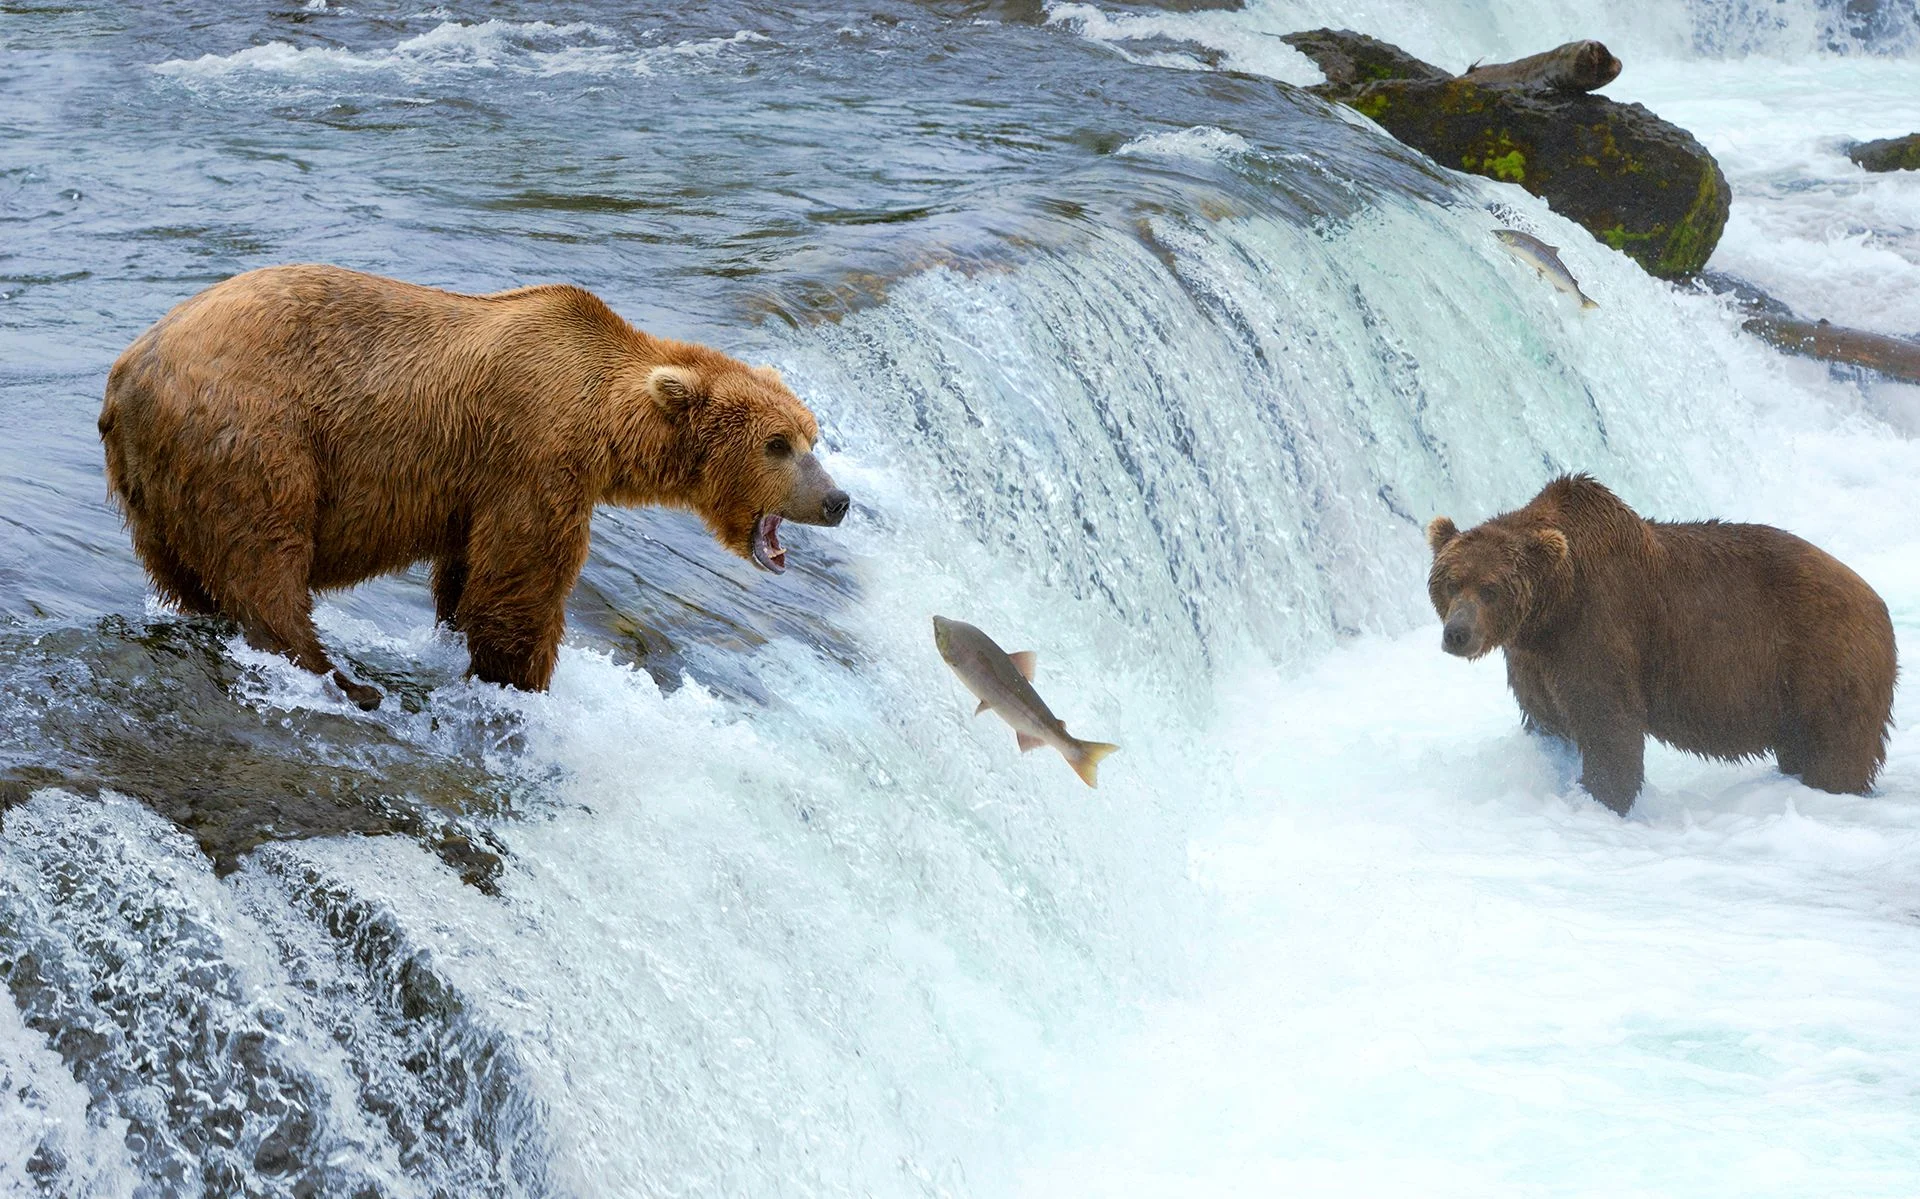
(1167, 398)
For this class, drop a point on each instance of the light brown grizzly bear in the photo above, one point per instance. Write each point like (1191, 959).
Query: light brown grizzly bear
(1724, 640)
(301, 428)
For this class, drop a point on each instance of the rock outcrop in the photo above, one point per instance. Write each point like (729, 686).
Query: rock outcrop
(1888, 154)
(1638, 183)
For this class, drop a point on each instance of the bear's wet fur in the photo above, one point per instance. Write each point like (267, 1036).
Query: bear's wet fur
(1726, 640)
(301, 428)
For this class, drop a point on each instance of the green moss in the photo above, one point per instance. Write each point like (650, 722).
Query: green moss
(1511, 166)
(1497, 156)
(1373, 106)
(1694, 238)
(1682, 248)
(1620, 239)
(1897, 157)
(1457, 98)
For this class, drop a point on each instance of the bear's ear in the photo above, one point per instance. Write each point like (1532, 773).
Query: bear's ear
(770, 374)
(674, 388)
(1440, 531)
(1551, 545)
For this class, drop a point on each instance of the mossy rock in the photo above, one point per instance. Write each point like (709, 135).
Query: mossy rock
(1888, 154)
(1350, 59)
(1641, 185)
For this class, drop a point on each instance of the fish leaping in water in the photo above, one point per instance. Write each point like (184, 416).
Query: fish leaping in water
(1545, 259)
(1003, 683)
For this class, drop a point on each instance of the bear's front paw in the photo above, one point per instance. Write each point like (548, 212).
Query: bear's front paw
(364, 697)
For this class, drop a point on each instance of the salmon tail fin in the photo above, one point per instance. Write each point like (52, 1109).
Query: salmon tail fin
(1086, 759)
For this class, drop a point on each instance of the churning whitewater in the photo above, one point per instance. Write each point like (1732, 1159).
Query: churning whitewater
(1128, 357)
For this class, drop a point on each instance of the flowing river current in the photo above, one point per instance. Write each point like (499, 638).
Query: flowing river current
(1129, 352)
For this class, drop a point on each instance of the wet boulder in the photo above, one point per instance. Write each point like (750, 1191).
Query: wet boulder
(1350, 59)
(1888, 154)
(1638, 183)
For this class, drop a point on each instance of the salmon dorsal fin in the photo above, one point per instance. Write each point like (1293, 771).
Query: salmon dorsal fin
(1023, 662)
(984, 706)
(1027, 742)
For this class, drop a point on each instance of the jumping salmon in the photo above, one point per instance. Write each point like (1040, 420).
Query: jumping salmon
(1002, 682)
(1545, 259)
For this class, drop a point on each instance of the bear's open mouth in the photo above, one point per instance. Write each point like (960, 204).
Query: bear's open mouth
(768, 553)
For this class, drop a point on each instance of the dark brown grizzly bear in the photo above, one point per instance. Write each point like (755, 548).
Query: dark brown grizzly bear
(1725, 640)
(301, 428)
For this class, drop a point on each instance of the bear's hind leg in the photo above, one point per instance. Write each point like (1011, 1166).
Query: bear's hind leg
(177, 583)
(449, 583)
(275, 609)
(1793, 748)
(1843, 759)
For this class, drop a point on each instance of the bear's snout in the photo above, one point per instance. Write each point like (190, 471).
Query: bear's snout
(814, 499)
(1458, 637)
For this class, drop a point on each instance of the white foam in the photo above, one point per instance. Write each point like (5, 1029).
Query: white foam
(1455, 36)
(166, 990)
(48, 1124)
(533, 48)
(1823, 235)
(1244, 46)
(1201, 141)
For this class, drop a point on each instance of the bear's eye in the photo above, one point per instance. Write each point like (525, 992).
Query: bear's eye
(1453, 587)
(779, 447)
(1486, 594)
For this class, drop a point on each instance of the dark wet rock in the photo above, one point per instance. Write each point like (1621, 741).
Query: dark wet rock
(1350, 59)
(130, 974)
(15, 791)
(1888, 154)
(149, 711)
(1636, 182)
(450, 1091)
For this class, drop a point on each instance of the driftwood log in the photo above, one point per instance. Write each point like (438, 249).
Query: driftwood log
(1894, 357)
(1574, 67)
